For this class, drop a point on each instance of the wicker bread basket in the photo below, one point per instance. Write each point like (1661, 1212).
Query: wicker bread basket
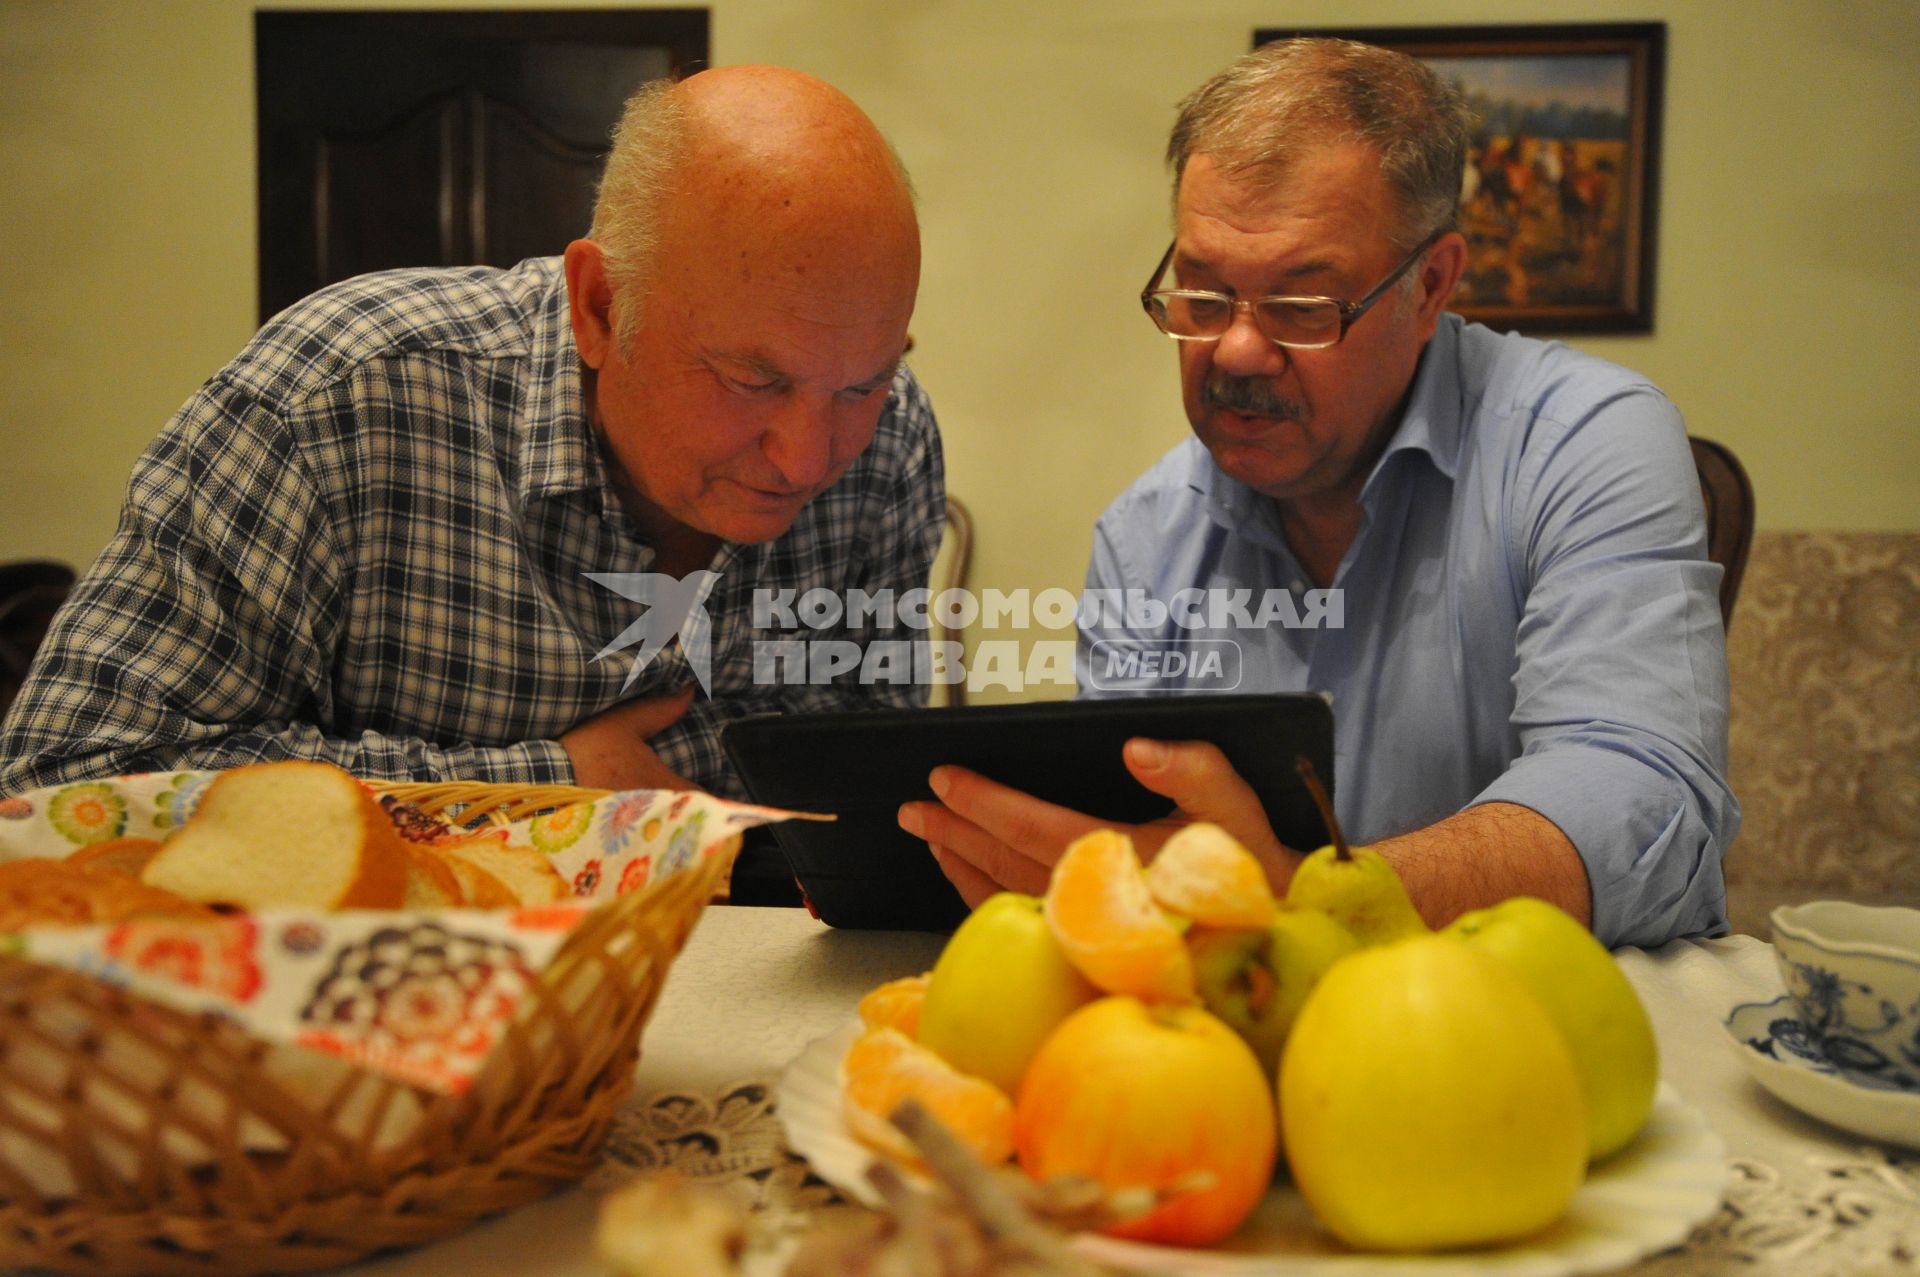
(196, 1148)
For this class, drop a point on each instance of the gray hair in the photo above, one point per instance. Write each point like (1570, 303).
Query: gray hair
(1286, 98)
(650, 139)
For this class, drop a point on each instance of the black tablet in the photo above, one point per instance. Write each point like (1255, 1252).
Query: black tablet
(863, 870)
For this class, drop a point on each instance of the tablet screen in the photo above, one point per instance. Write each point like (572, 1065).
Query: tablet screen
(862, 870)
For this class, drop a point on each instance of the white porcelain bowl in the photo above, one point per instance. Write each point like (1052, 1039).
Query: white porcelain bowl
(1854, 971)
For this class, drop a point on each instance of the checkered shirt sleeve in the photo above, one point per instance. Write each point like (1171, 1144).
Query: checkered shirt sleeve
(367, 541)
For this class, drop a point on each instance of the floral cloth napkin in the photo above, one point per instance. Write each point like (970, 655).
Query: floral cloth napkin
(420, 995)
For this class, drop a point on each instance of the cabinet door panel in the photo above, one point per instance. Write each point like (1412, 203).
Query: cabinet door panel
(534, 184)
(366, 220)
(440, 138)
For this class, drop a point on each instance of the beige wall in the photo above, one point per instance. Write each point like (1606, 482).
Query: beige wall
(1788, 293)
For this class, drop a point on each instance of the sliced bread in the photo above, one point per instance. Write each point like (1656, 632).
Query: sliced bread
(121, 855)
(36, 893)
(431, 882)
(478, 888)
(287, 833)
(525, 873)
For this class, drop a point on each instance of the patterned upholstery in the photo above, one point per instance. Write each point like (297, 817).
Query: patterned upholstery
(1825, 734)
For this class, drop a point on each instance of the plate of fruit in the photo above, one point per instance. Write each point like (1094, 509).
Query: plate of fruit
(1309, 1084)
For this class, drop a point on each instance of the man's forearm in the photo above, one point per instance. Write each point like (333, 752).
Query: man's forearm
(1487, 854)
(368, 755)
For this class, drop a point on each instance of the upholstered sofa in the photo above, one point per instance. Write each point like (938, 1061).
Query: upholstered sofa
(1824, 655)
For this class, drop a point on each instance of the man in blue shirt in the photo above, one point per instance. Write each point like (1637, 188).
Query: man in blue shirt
(1501, 540)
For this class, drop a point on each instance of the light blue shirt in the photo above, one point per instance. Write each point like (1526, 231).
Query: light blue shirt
(1527, 616)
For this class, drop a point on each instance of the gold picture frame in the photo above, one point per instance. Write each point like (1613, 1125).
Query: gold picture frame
(1560, 203)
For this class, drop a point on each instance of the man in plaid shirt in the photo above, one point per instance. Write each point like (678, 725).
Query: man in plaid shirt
(367, 539)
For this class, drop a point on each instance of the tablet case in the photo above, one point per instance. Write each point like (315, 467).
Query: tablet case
(863, 870)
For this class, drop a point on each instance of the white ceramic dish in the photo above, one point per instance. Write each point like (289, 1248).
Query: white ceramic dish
(1784, 1056)
(1641, 1200)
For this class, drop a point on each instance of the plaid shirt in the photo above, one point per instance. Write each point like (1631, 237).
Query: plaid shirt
(365, 541)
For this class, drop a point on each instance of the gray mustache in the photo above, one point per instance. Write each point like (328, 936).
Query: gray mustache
(1251, 395)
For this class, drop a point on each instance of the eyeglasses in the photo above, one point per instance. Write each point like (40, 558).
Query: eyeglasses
(1298, 323)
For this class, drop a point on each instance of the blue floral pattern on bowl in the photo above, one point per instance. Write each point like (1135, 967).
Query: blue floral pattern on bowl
(1790, 1039)
(1853, 971)
(1844, 1017)
(1784, 1056)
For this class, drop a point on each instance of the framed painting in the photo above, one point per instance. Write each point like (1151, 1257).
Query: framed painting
(1560, 198)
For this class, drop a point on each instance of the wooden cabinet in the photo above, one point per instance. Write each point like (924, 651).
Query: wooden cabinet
(441, 138)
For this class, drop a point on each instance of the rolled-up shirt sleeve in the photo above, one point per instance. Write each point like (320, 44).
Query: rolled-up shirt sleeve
(1620, 687)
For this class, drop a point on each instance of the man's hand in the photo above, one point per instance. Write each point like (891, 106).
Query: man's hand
(987, 837)
(610, 750)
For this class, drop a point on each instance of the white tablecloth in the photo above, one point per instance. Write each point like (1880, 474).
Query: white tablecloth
(756, 985)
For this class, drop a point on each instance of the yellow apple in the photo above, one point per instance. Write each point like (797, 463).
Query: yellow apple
(999, 988)
(1582, 988)
(1427, 1101)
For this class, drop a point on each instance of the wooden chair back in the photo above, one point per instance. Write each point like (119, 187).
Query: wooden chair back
(1728, 495)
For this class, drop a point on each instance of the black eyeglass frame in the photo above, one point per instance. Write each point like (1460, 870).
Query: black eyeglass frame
(1350, 312)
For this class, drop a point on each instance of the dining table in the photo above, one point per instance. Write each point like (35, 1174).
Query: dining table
(756, 985)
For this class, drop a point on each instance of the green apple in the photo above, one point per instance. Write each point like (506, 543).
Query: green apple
(1427, 1101)
(1582, 988)
(999, 988)
(1359, 889)
(1257, 979)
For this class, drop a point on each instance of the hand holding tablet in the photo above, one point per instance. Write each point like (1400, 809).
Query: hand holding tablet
(864, 870)
(988, 837)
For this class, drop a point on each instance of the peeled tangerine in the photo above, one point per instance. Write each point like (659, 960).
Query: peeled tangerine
(884, 1067)
(1106, 922)
(1427, 1101)
(1203, 873)
(895, 1005)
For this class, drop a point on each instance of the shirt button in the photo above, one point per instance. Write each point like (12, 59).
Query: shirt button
(1298, 585)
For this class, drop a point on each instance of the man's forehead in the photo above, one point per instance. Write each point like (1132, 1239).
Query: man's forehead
(770, 365)
(1320, 213)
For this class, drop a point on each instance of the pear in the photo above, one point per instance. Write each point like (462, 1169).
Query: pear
(1355, 886)
(1256, 979)
(1583, 989)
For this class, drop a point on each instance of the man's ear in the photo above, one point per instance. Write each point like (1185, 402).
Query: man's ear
(590, 302)
(1440, 275)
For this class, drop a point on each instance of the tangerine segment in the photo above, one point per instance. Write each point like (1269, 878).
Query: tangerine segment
(1104, 918)
(1203, 873)
(896, 1005)
(885, 1066)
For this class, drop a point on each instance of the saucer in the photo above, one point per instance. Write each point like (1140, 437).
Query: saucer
(1784, 1057)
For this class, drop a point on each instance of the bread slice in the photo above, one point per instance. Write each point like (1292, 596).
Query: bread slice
(527, 874)
(37, 893)
(431, 882)
(289, 833)
(478, 888)
(128, 856)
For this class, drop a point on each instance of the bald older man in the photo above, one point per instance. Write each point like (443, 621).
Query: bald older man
(369, 538)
